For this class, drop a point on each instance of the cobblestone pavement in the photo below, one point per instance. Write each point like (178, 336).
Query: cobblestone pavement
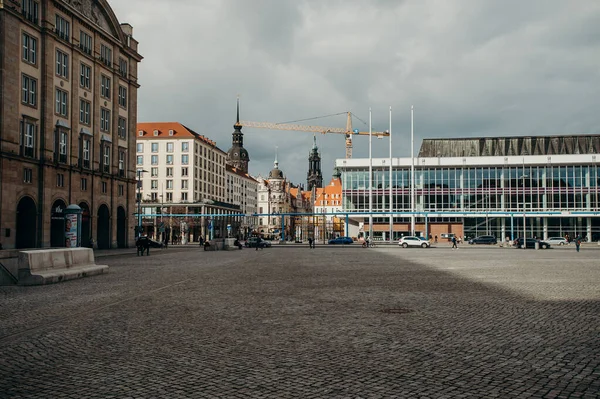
(290, 322)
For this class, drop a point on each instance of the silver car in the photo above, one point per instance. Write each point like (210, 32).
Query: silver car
(557, 241)
(410, 241)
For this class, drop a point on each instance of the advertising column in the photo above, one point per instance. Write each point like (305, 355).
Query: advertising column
(73, 226)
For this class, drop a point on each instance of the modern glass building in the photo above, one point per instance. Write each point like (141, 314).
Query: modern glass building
(480, 186)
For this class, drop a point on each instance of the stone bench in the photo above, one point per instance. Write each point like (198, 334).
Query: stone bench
(46, 266)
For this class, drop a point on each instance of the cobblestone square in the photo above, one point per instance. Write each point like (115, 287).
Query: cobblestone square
(293, 322)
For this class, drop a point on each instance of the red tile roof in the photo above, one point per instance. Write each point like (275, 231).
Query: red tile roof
(163, 128)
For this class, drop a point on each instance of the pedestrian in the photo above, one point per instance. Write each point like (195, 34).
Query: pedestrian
(454, 243)
(310, 242)
(258, 240)
(577, 243)
(436, 238)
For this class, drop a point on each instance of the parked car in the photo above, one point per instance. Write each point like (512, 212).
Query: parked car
(252, 242)
(341, 240)
(489, 240)
(557, 241)
(530, 243)
(410, 241)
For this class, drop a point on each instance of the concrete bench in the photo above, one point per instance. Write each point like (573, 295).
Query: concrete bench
(46, 266)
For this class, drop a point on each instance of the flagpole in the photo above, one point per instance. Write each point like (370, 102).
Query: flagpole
(412, 171)
(391, 184)
(370, 179)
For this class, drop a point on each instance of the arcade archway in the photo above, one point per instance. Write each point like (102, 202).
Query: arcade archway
(86, 230)
(103, 229)
(121, 228)
(25, 236)
(57, 224)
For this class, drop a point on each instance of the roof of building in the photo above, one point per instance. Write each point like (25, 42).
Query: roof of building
(170, 130)
(334, 187)
(511, 146)
(240, 173)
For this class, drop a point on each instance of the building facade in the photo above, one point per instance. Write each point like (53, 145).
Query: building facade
(502, 186)
(242, 191)
(69, 81)
(314, 177)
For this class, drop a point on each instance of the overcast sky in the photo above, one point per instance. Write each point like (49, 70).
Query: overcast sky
(470, 67)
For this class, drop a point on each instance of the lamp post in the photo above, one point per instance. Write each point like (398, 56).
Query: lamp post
(139, 182)
(524, 210)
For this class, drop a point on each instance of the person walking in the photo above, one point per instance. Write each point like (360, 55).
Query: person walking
(310, 242)
(454, 243)
(577, 243)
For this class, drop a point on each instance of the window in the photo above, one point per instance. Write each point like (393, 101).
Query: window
(154, 196)
(184, 196)
(185, 147)
(154, 184)
(120, 190)
(122, 128)
(106, 55)
(60, 180)
(154, 159)
(123, 96)
(61, 146)
(140, 160)
(29, 49)
(169, 147)
(184, 184)
(184, 171)
(185, 159)
(61, 106)
(105, 87)
(121, 163)
(169, 159)
(84, 112)
(140, 147)
(30, 10)
(86, 146)
(62, 64)
(27, 138)
(169, 172)
(62, 28)
(169, 197)
(154, 172)
(104, 187)
(106, 158)
(29, 92)
(86, 71)
(83, 184)
(85, 42)
(154, 147)
(123, 67)
(27, 175)
(169, 184)
(104, 120)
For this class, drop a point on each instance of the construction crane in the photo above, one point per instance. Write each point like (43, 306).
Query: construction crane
(348, 131)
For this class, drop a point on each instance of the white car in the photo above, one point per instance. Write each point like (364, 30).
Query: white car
(557, 241)
(410, 241)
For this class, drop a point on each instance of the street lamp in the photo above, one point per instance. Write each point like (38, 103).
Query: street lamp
(139, 182)
(524, 210)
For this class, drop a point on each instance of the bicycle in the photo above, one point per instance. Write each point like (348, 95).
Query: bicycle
(366, 244)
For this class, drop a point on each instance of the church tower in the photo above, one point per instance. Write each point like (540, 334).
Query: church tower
(237, 156)
(314, 178)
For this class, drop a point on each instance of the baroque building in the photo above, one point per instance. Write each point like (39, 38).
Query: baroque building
(69, 81)
(237, 156)
(314, 176)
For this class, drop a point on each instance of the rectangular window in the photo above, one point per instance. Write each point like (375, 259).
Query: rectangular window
(169, 197)
(154, 184)
(169, 184)
(185, 159)
(83, 184)
(169, 147)
(106, 159)
(104, 187)
(123, 96)
(184, 171)
(29, 90)
(105, 87)
(121, 190)
(29, 49)
(60, 180)
(30, 10)
(86, 71)
(140, 147)
(104, 120)
(27, 175)
(184, 184)
(62, 139)
(122, 128)
(85, 42)
(27, 138)
(169, 159)
(85, 152)
(62, 102)
(184, 196)
(84, 112)
(140, 160)
(185, 147)
(62, 28)
(154, 147)
(62, 64)
(121, 163)
(154, 172)
(154, 197)
(154, 159)
(123, 67)
(106, 55)
(169, 172)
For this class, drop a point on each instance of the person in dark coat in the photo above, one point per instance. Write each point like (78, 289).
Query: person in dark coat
(310, 242)
(454, 242)
(577, 243)
(143, 244)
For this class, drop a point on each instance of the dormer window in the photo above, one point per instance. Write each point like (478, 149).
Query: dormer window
(171, 132)
(156, 132)
(141, 133)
